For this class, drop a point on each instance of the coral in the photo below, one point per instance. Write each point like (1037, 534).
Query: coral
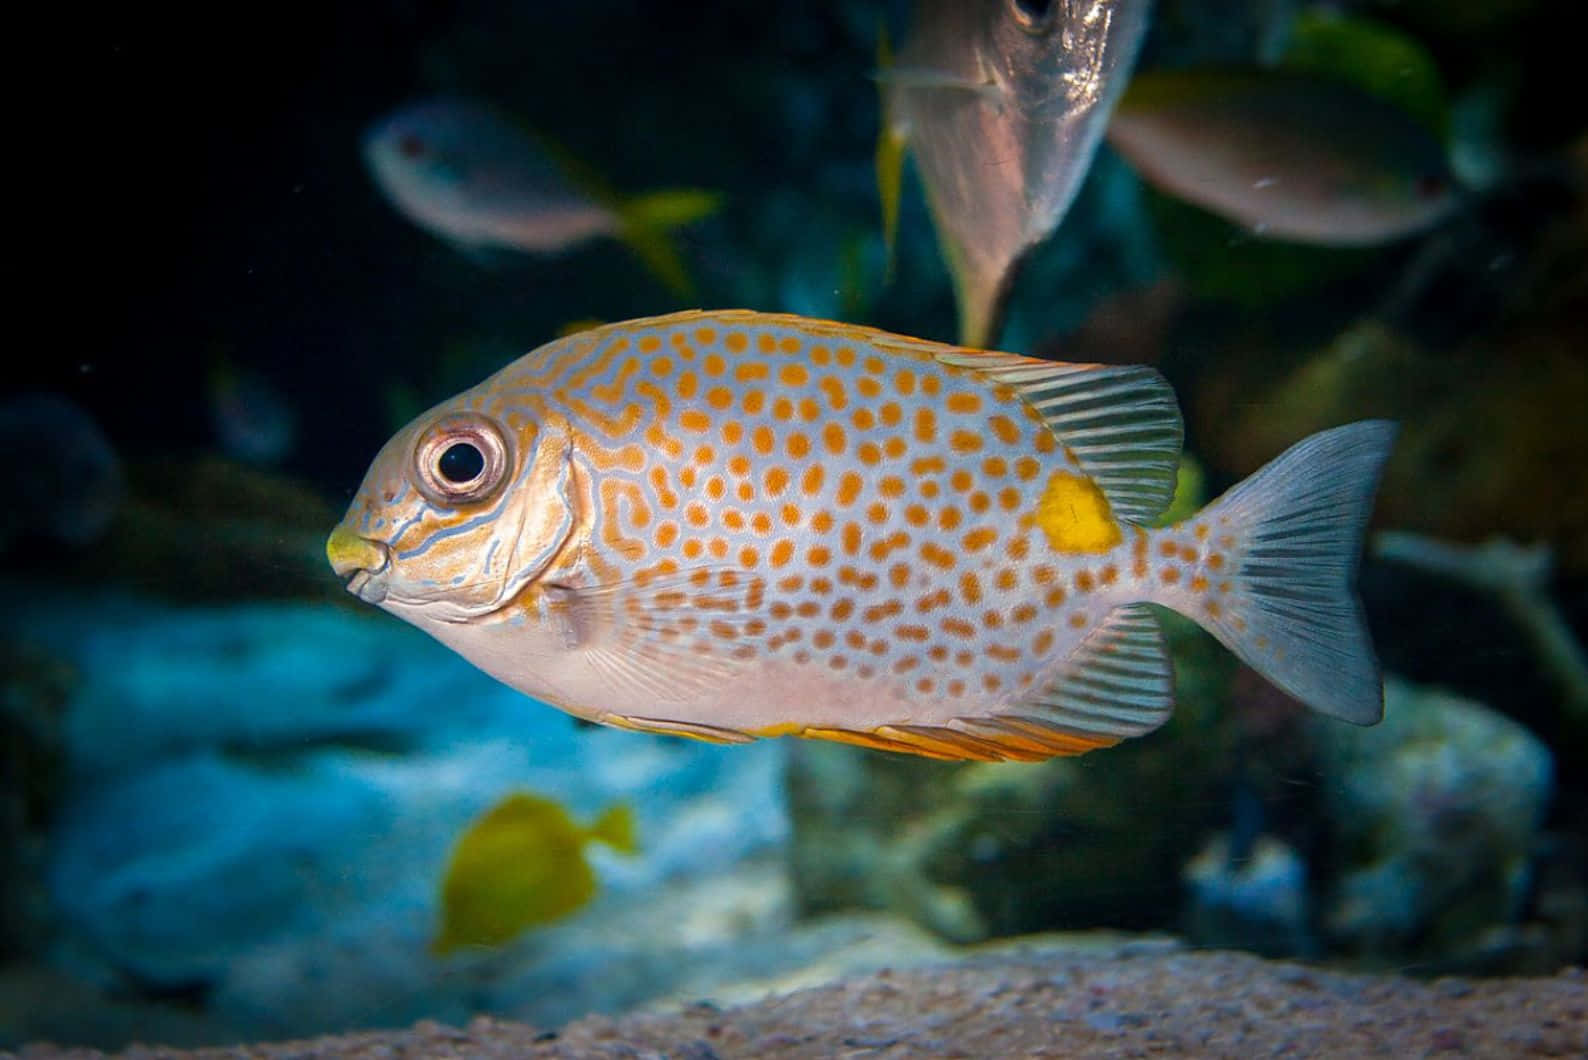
(1436, 814)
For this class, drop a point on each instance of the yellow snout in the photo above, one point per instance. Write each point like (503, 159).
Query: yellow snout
(350, 553)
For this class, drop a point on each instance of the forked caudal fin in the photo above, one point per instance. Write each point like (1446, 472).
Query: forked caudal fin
(615, 828)
(1295, 534)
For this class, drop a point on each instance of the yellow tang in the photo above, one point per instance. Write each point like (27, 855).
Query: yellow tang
(521, 864)
(732, 524)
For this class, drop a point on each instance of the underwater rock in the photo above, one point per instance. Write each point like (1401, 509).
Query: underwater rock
(1255, 901)
(986, 849)
(1489, 438)
(1436, 814)
(34, 690)
(1487, 385)
(1516, 580)
(252, 680)
(263, 799)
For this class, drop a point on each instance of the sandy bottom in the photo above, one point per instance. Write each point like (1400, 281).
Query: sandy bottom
(1033, 1003)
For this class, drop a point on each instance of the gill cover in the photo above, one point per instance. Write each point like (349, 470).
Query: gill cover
(493, 532)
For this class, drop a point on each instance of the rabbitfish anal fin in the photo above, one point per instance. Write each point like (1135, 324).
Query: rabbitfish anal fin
(1120, 422)
(998, 739)
(884, 738)
(1118, 683)
(669, 727)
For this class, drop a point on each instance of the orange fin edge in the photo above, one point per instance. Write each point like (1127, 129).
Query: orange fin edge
(876, 742)
(994, 739)
(982, 740)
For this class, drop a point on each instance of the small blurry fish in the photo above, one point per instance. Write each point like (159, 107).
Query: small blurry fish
(731, 524)
(1002, 103)
(61, 478)
(1289, 156)
(469, 174)
(252, 418)
(521, 864)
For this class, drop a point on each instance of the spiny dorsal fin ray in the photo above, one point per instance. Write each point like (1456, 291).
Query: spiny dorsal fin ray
(1121, 422)
(1118, 683)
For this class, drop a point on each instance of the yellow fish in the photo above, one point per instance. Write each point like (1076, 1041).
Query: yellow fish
(733, 524)
(520, 864)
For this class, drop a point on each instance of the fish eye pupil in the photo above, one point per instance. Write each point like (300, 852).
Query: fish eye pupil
(461, 462)
(411, 146)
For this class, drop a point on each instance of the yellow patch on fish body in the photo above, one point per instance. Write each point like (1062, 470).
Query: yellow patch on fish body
(730, 524)
(1075, 515)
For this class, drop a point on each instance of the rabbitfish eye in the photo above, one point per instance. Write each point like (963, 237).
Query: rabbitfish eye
(461, 459)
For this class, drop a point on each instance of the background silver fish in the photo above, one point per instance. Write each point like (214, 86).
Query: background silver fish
(1002, 103)
(1287, 156)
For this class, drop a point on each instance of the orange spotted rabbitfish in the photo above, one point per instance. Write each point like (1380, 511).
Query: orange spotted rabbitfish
(733, 524)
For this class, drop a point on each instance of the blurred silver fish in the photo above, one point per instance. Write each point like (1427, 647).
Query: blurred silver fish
(468, 173)
(1289, 156)
(1002, 103)
(62, 479)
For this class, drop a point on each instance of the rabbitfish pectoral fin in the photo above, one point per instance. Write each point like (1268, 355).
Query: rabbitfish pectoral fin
(670, 641)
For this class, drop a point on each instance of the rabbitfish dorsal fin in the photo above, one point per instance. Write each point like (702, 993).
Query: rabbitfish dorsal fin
(1120, 422)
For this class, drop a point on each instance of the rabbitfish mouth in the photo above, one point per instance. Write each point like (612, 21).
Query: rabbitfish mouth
(358, 559)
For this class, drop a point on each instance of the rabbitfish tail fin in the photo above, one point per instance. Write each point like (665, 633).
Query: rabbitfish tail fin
(1287, 541)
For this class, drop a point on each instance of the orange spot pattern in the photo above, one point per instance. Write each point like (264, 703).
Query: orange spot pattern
(873, 503)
